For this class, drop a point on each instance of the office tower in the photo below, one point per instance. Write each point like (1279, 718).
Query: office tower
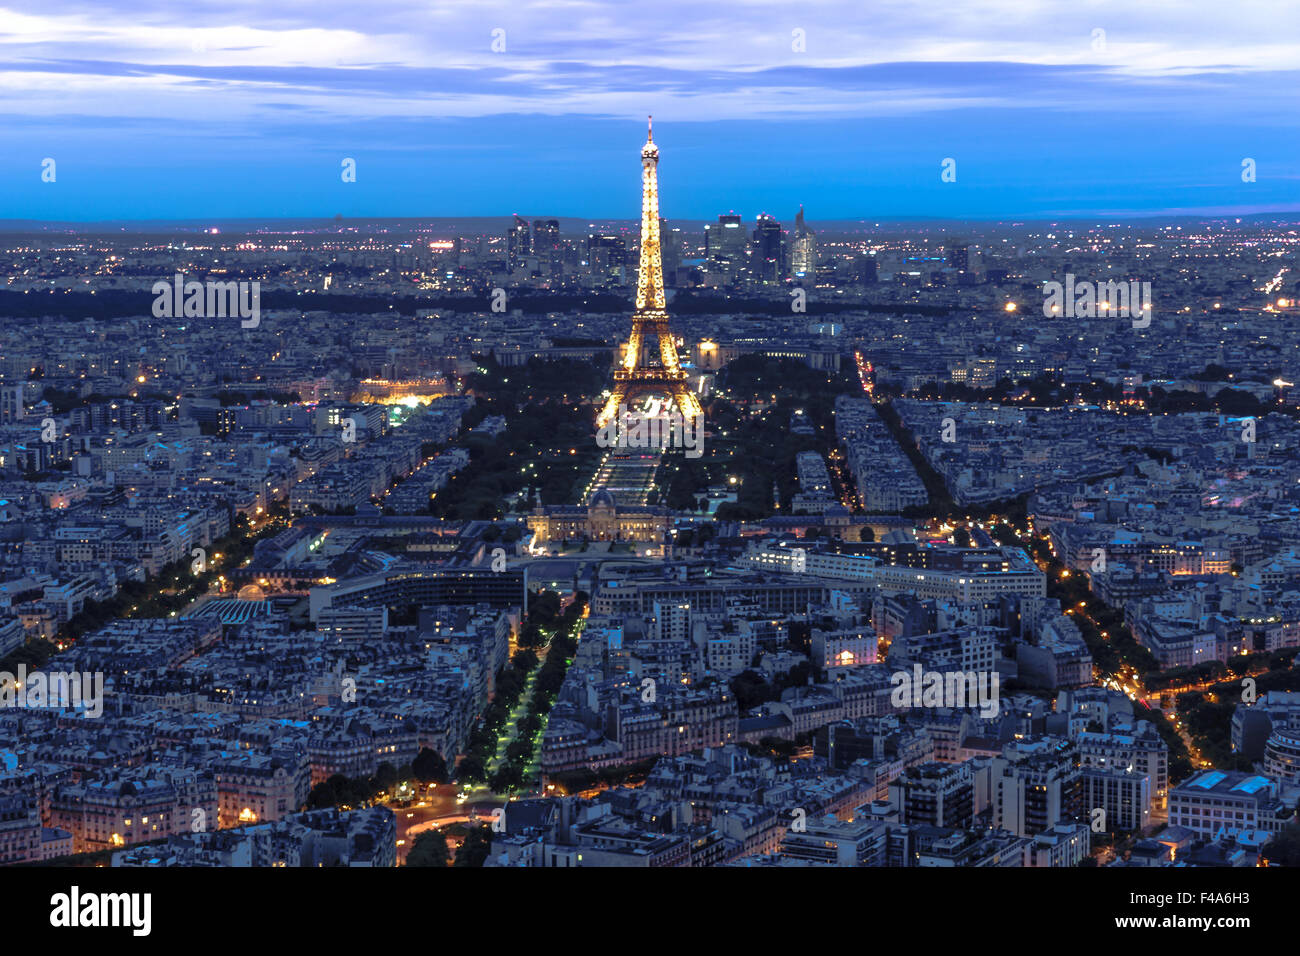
(607, 256)
(666, 378)
(867, 272)
(959, 256)
(726, 239)
(769, 261)
(671, 251)
(518, 246)
(803, 252)
(546, 243)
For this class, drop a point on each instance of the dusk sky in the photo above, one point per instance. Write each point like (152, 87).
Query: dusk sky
(157, 110)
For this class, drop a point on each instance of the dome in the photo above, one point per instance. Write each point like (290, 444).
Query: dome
(601, 499)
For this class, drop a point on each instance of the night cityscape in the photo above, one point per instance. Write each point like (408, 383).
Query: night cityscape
(937, 518)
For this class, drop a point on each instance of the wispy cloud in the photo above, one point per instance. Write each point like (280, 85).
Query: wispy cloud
(1048, 105)
(746, 59)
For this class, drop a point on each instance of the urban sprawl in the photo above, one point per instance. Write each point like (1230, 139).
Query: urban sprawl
(986, 553)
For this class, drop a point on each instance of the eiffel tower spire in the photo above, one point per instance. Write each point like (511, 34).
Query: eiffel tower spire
(666, 378)
(650, 276)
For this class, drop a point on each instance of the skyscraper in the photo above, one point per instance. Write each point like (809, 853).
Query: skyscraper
(607, 256)
(671, 250)
(518, 245)
(959, 256)
(803, 251)
(546, 243)
(726, 239)
(769, 259)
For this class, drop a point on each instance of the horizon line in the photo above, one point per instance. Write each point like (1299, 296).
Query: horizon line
(1210, 213)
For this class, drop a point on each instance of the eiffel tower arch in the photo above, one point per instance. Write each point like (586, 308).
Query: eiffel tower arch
(665, 378)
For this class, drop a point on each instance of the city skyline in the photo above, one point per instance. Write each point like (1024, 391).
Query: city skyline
(376, 491)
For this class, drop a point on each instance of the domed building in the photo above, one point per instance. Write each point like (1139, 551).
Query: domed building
(1282, 753)
(600, 519)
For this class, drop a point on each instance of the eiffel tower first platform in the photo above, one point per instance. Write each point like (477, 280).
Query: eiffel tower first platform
(666, 378)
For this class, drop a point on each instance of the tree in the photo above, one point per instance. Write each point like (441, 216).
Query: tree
(429, 849)
(476, 847)
(530, 724)
(508, 777)
(545, 607)
(323, 794)
(1004, 534)
(470, 770)
(519, 749)
(750, 690)
(429, 766)
(509, 686)
(385, 777)
(1284, 848)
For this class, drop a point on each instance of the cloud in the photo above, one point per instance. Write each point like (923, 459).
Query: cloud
(690, 61)
(241, 107)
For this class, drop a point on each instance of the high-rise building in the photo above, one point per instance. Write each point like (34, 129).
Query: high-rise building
(546, 243)
(803, 251)
(769, 259)
(518, 244)
(867, 272)
(959, 256)
(671, 251)
(607, 256)
(726, 239)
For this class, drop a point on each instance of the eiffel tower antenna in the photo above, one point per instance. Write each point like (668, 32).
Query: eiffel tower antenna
(633, 379)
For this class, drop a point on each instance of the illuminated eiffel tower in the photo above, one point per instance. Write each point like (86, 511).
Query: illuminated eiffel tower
(665, 378)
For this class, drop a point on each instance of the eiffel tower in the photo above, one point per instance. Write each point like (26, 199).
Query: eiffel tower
(665, 378)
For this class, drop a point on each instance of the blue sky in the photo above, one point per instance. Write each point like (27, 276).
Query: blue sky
(247, 109)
